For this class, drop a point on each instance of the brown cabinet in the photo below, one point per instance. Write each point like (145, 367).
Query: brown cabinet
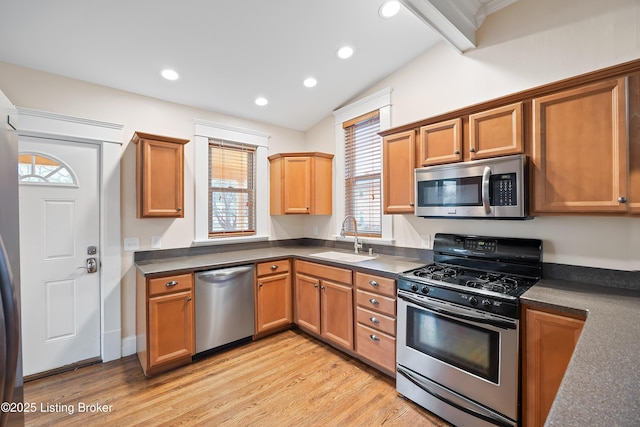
(496, 132)
(274, 309)
(324, 302)
(376, 320)
(633, 91)
(159, 176)
(579, 154)
(398, 162)
(440, 143)
(549, 341)
(164, 322)
(301, 183)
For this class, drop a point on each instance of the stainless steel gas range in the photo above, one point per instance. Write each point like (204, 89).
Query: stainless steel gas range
(458, 328)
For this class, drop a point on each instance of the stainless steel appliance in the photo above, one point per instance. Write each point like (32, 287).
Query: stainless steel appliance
(491, 188)
(458, 328)
(10, 353)
(224, 307)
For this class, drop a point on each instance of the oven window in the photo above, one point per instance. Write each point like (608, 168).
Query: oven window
(451, 192)
(468, 347)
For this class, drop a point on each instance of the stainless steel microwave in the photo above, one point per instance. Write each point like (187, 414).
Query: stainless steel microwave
(489, 188)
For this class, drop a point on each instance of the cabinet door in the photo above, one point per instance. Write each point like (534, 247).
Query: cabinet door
(297, 185)
(162, 181)
(337, 313)
(398, 165)
(549, 343)
(273, 302)
(496, 132)
(170, 327)
(580, 149)
(441, 143)
(634, 143)
(308, 303)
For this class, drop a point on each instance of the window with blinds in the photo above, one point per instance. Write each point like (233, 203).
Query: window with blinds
(232, 175)
(363, 172)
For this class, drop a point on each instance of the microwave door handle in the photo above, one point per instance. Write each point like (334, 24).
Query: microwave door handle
(486, 180)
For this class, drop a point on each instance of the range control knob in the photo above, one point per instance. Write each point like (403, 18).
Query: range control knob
(425, 289)
(414, 287)
(473, 301)
(487, 303)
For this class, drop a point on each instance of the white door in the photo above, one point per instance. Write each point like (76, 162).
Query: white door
(59, 233)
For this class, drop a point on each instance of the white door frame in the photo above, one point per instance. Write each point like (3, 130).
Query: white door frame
(108, 136)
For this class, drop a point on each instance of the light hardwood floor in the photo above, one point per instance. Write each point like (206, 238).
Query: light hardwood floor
(288, 379)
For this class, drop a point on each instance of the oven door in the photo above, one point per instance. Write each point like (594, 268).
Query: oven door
(470, 352)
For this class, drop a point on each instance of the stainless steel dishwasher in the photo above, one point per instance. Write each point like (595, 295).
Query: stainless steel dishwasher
(224, 307)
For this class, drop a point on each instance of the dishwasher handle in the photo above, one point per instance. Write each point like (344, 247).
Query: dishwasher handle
(224, 274)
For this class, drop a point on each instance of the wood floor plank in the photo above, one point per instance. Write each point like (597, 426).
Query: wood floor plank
(288, 379)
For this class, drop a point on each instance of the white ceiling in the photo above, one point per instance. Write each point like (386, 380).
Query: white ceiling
(227, 52)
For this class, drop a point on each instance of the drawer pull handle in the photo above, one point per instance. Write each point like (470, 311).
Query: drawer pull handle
(374, 320)
(171, 284)
(374, 301)
(274, 267)
(374, 283)
(374, 337)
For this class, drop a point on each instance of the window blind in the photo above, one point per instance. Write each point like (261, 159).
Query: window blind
(232, 174)
(363, 171)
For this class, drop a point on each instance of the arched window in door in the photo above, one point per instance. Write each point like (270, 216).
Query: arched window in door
(38, 168)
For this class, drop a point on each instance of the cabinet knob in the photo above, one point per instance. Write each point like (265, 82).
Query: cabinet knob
(374, 301)
(259, 285)
(374, 337)
(473, 150)
(374, 283)
(323, 287)
(456, 152)
(315, 285)
(171, 284)
(622, 199)
(189, 298)
(412, 204)
(179, 209)
(274, 267)
(374, 320)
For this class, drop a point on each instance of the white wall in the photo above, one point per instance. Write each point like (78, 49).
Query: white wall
(527, 44)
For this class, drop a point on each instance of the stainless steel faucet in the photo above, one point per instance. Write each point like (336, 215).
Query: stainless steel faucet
(356, 244)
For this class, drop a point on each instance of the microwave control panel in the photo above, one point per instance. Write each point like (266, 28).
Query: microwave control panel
(504, 190)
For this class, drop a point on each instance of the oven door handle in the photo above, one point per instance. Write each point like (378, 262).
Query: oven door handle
(458, 404)
(493, 322)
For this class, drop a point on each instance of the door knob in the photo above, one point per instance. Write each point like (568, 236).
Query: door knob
(92, 265)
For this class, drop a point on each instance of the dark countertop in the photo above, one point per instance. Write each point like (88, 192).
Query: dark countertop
(601, 386)
(381, 264)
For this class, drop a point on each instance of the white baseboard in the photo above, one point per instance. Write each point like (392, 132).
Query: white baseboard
(128, 346)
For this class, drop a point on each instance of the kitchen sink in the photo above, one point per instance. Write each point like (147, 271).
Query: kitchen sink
(342, 256)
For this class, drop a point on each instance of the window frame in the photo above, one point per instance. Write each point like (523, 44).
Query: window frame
(204, 131)
(381, 101)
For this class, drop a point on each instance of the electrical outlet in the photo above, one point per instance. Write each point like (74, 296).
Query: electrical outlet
(156, 242)
(315, 231)
(427, 241)
(131, 244)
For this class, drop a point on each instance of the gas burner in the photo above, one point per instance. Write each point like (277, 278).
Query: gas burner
(436, 272)
(498, 287)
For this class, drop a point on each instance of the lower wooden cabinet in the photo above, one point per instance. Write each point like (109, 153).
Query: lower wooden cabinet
(549, 341)
(324, 302)
(274, 309)
(376, 320)
(164, 322)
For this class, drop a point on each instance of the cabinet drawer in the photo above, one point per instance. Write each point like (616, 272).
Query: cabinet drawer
(376, 302)
(271, 267)
(376, 346)
(335, 274)
(165, 285)
(371, 283)
(376, 321)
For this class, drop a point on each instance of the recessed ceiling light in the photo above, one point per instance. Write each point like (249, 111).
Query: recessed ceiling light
(170, 74)
(310, 82)
(261, 101)
(345, 52)
(389, 9)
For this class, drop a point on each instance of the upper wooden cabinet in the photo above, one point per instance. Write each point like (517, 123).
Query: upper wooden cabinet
(301, 183)
(440, 143)
(159, 176)
(496, 132)
(579, 151)
(398, 152)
